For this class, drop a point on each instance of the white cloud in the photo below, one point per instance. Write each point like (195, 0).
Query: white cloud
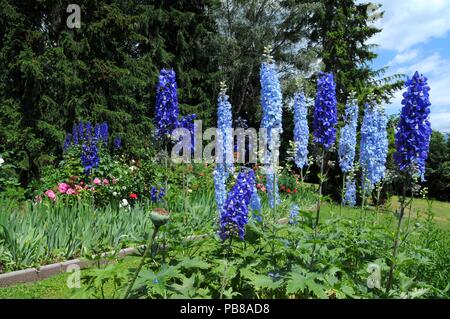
(407, 23)
(425, 65)
(407, 27)
(437, 70)
(440, 121)
(405, 57)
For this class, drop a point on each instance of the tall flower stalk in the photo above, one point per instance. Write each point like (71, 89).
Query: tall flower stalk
(373, 148)
(324, 134)
(301, 132)
(412, 139)
(271, 101)
(224, 147)
(167, 112)
(346, 152)
(234, 215)
(325, 120)
(166, 107)
(412, 142)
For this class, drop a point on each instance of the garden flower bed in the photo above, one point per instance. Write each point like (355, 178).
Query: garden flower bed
(297, 206)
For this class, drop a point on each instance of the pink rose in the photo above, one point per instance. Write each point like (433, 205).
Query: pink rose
(50, 194)
(97, 181)
(105, 182)
(63, 187)
(114, 181)
(70, 191)
(78, 187)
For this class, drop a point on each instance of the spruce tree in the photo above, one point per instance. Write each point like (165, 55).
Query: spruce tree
(341, 31)
(53, 76)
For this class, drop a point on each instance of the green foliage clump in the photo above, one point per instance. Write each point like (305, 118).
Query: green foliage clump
(38, 234)
(275, 260)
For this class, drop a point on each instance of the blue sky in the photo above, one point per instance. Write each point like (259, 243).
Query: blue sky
(416, 36)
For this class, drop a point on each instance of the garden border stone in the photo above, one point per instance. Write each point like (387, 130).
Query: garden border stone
(36, 274)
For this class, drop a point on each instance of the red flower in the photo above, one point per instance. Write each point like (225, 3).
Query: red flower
(283, 187)
(295, 190)
(133, 196)
(289, 190)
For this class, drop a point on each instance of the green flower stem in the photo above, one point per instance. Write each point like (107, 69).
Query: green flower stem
(321, 179)
(166, 179)
(342, 194)
(320, 190)
(363, 201)
(185, 188)
(148, 248)
(403, 205)
(224, 277)
(273, 216)
(379, 187)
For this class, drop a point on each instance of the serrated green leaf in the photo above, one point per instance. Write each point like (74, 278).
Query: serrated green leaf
(260, 281)
(186, 286)
(195, 262)
(315, 288)
(296, 283)
(349, 291)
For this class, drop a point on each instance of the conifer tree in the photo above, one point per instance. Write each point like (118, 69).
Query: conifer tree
(105, 71)
(341, 31)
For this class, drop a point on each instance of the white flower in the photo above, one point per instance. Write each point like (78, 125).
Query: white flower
(123, 203)
(114, 193)
(1, 161)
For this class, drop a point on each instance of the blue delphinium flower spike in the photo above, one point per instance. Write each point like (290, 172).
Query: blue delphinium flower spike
(412, 139)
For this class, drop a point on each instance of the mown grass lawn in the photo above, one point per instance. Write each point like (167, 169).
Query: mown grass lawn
(441, 211)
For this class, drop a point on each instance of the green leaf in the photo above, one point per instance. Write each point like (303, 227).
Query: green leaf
(296, 283)
(315, 288)
(349, 291)
(195, 262)
(186, 287)
(260, 281)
